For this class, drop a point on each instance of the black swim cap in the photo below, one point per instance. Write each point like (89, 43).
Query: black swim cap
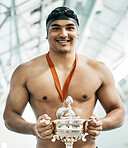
(61, 13)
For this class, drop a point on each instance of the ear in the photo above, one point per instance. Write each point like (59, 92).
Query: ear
(77, 37)
(46, 37)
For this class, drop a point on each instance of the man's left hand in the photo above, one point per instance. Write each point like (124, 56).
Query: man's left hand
(94, 127)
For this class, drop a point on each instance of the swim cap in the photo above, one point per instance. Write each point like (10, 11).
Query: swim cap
(61, 13)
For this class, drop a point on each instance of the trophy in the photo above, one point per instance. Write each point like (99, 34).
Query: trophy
(68, 127)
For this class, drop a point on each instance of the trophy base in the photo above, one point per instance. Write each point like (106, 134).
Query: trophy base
(69, 145)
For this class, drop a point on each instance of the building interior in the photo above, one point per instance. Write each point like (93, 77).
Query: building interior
(103, 36)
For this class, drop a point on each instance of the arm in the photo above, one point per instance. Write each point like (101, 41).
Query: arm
(111, 102)
(16, 102)
(17, 99)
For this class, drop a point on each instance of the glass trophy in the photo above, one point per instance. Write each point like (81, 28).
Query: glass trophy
(68, 127)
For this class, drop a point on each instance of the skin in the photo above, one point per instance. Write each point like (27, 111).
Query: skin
(33, 83)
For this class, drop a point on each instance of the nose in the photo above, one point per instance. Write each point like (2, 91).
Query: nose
(63, 33)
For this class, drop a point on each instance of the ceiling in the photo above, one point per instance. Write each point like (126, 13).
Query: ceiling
(103, 34)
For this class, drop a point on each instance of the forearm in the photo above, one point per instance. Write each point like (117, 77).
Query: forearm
(113, 119)
(16, 123)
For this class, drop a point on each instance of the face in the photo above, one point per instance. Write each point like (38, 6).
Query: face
(62, 36)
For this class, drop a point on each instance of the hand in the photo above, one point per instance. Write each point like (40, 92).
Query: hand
(94, 127)
(43, 127)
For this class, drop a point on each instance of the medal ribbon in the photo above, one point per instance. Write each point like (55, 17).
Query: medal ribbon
(56, 79)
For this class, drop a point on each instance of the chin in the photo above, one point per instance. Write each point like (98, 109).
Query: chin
(63, 50)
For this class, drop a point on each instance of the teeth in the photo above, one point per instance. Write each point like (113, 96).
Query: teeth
(62, 41)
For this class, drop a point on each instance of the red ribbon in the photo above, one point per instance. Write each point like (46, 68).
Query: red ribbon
(56, 79)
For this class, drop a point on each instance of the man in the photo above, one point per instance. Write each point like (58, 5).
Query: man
(40, 80)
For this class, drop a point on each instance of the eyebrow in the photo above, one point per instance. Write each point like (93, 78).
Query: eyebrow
(60, 25)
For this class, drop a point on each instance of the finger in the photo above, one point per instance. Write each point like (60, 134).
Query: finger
(93, 118)
(49, 137)
(43, 123)
(43, 131)
(95, 125)
(48, 127)
(47, 133)
(37, 132)
(92, 123)
(45, 116)
(93, 137)
(93, 132)
(95, 122)
(98, 128)
(44, 128)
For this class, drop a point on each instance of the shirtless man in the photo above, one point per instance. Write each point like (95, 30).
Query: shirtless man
(33, 82)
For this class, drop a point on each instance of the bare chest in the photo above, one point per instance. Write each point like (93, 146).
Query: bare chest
(83, 85)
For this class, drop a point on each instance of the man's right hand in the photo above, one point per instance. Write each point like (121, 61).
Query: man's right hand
(43, 127)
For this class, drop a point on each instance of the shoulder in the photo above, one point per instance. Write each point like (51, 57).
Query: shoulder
(32, 64)
(92, 63)
(27, 69)
(100, 68)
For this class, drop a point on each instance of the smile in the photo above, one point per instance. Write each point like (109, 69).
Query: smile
(63, 41)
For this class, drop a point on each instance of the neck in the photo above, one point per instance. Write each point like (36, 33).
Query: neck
(62, 60)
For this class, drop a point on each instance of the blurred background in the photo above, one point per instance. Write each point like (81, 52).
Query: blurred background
(103, 34)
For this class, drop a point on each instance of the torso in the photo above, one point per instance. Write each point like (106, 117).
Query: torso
(45, 99)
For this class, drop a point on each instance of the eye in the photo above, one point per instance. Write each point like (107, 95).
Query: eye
(56, 28)
(70, 28)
